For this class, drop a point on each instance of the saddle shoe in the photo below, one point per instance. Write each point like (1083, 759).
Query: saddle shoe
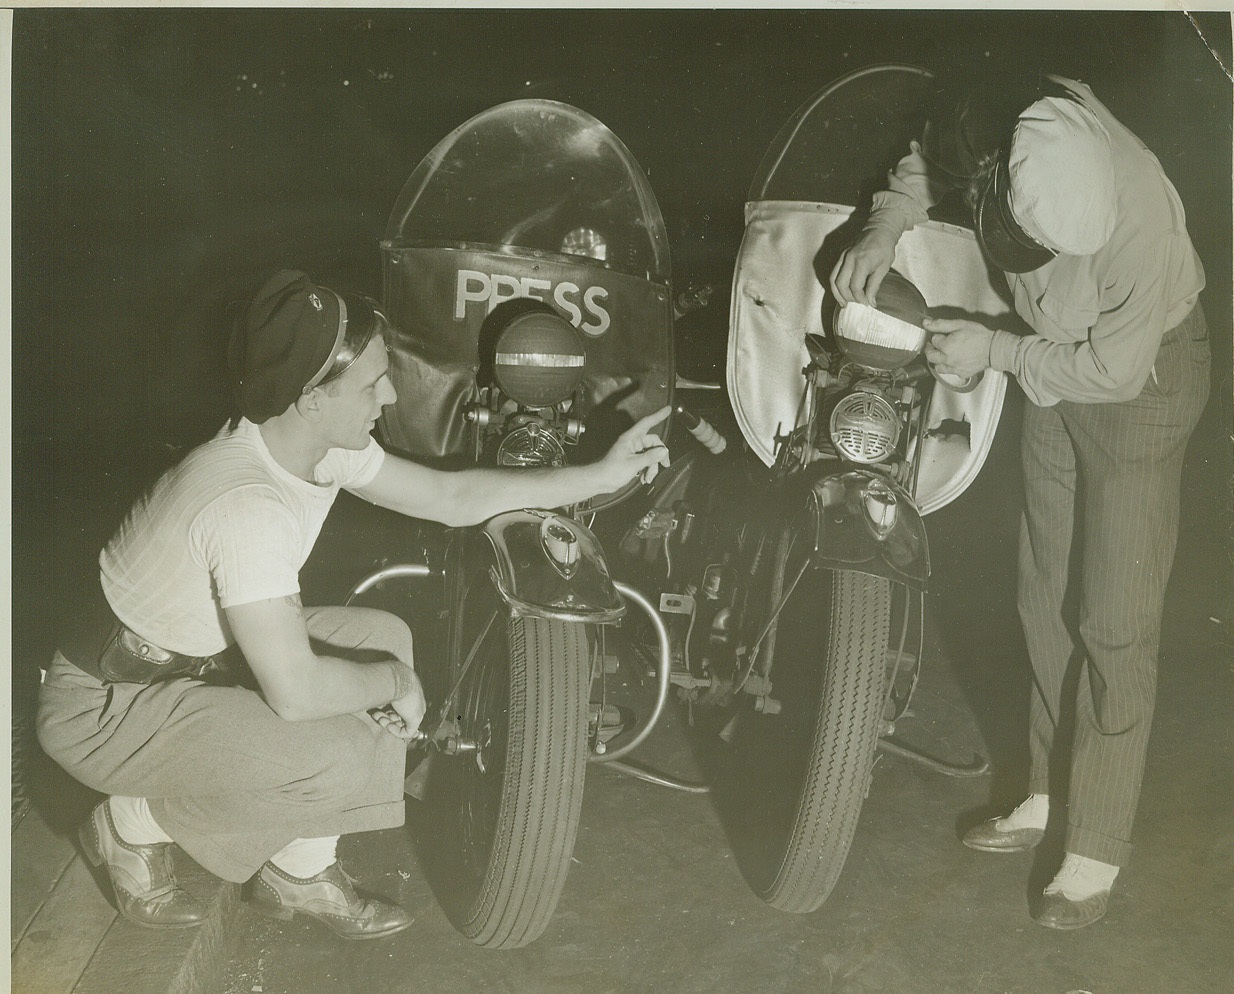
(1057, 910)
(989, 837)
(1019, 831)
(330, 897)
(141, 875)
(1078, 894)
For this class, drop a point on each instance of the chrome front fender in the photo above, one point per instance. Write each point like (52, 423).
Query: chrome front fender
(866, 523)
(547, 565)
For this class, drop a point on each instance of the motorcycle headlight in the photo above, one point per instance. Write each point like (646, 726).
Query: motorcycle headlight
(539, 358)
(864, 427)
(888, 335)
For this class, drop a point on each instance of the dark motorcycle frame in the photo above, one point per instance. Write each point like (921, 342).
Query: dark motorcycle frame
(797, 562)
(527, 283)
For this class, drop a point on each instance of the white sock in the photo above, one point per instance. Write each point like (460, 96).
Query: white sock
(305, 858)
(134, 822)
(1032, 813)
(1080, 877)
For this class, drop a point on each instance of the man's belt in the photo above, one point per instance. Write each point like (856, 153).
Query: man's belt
(100, 644)
(128, 658)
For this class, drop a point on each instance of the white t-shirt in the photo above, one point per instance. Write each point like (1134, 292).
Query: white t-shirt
(226, 526)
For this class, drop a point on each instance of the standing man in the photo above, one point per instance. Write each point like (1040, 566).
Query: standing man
(260, 781)
(1092, 236)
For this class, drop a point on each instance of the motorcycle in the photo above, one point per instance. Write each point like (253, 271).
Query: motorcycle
(526, 278)
(793, 569)
(528, 283)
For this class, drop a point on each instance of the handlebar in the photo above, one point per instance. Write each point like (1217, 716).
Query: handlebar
(702, 429)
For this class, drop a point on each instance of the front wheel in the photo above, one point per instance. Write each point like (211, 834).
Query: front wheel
(793, 783)
(841, 751)
(515, 795)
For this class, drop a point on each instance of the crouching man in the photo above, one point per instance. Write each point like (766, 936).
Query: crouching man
(257, 778)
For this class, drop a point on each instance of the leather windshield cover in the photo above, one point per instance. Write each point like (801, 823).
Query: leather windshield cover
(779, 291)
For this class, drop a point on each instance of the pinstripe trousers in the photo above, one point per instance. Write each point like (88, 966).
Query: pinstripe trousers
(1102, 486)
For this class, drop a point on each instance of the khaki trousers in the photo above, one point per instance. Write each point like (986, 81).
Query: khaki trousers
(226, 778)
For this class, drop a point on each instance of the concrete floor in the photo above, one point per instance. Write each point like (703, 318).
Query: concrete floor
(656, 902)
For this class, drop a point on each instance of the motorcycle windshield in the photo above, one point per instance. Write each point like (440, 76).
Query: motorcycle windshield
(807, 203)
(536, 176)
(529, 199)
(838, 146)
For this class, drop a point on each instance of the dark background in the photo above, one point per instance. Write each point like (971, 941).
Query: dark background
(164, 158)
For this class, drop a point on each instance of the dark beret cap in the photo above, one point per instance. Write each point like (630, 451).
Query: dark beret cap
(283, 341)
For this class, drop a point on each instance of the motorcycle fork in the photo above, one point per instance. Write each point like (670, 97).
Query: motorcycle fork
(898, 660)
(756, 679)
(465, 637)
(719, 635)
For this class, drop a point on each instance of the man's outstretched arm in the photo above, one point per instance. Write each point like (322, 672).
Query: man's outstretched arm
(469, 496)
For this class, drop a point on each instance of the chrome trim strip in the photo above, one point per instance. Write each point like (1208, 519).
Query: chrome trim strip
(539, 359)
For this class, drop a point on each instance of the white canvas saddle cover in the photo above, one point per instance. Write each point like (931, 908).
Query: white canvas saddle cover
(777, 300)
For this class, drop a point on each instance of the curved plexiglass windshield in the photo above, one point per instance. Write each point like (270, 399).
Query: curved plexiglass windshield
(541, 176)
(839, 145)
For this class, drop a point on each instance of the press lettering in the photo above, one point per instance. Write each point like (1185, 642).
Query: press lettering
(584, 308)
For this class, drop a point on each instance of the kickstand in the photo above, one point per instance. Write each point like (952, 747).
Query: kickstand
(978, 767)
